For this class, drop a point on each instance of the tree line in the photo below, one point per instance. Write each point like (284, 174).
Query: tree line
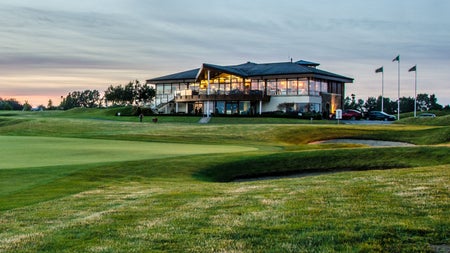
(132, 93)
(425, 102)
(12, 104)
(135, 93)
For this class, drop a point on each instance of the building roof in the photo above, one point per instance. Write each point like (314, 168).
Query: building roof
(188, 75)
(256, 70)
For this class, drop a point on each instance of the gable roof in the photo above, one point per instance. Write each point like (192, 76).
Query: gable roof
(255, 70)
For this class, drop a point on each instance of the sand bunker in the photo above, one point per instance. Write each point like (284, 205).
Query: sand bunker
(372, 143)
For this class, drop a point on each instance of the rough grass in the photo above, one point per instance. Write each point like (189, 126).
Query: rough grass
(290, 163)
(443, 120)
(172, 204)
(402, 210)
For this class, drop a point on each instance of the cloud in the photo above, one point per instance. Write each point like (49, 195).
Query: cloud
(71, 45)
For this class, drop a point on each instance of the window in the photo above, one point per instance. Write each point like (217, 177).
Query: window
(302, 86)
(167, 89)
(271, 87)
(255, 85)
(282, 87)
(244, 108)
(220, 107)
(159, 89)
(314, 87)
(324, 86)
(307, 107)
(292, 87)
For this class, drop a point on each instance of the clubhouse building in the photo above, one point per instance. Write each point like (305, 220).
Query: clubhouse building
(250, 89)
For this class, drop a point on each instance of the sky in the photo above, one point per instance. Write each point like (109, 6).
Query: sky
(49, 48)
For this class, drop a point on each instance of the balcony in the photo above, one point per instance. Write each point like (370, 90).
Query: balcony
(254, 95)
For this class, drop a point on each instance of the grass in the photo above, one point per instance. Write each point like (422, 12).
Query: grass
(289, 163)
(26, 151)
(147, 199)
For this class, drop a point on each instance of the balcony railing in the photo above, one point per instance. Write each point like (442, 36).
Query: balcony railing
(232, 96)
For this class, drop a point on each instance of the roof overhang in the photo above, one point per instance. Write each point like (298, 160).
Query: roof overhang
(215, 70)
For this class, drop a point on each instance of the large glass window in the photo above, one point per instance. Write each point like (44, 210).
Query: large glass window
(282, 87)
(214, 86)
(183, 86)
(195, 88)
(314, 87)
(271, 87)
(167, 89)
(255, 85)
(220, 107)
(236, 84)
(323, 86)
(244, 107)
(159, 89)
(232, 108)
(223, 83)
(307, 107)
(303, 86)
(292, 87)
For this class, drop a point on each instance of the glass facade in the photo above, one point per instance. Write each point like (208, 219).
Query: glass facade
(226, 84)
(275, 87)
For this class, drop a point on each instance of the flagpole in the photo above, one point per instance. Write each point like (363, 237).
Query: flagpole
(382, 91)
(415, 94)
(398, 101)
(378, 70)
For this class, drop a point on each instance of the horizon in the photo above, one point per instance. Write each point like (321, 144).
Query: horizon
(51, 48)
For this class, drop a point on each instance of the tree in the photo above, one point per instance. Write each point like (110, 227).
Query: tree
(423, 102)
(144, 93)
(360, 105)
(26, 106)
(86, 98)
(434, 103)
(371, 104)
(110, 95)
(89, 98)
(350, 103)
(50, 105)
(10, 104)
(131, 93)
(406, 104)
(347, 102)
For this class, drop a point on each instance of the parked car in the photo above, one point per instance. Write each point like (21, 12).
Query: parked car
(378, 115)
(427, 115)
(351, 114)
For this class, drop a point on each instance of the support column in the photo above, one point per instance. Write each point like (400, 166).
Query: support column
(260, 107)
(207, 93)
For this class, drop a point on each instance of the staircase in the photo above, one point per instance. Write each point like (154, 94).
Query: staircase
(204, 120)
(161, 102)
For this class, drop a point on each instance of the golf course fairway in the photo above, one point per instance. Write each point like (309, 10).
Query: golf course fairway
(29, 151)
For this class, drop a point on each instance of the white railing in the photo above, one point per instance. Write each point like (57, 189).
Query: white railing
(163, 99)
